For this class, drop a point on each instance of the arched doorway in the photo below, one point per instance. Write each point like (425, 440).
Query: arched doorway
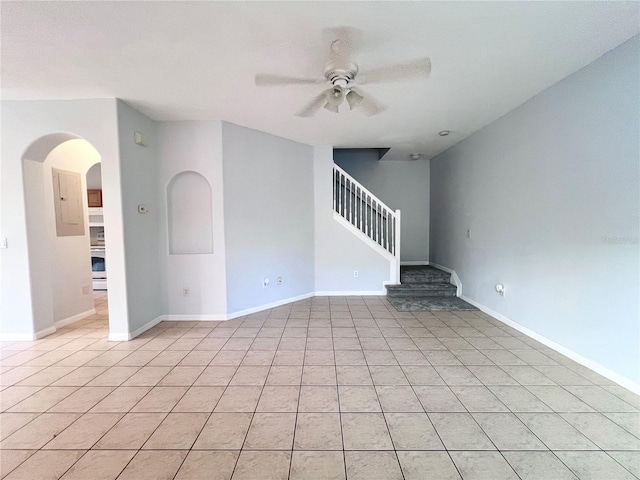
(59, 261)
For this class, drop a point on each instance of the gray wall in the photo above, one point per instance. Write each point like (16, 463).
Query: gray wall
(550, 193)
(139, 173)
(268, 212)
(403, 185)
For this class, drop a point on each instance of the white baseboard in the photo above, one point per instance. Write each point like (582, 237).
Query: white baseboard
(415, 262)
(455, 279)
(44, 332)
(195, 318)
(278, 303)
(74, 318)
(17, 337)
(119, 337)
(576, 357)
(230, 316)
(125, 337)
(27, 337)
(351, 293)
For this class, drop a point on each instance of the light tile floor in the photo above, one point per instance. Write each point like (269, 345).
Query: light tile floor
(318, 389)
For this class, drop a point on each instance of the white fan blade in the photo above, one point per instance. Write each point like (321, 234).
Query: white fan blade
(263, 79)
(368, 105)
(311, 108)
(417, 68)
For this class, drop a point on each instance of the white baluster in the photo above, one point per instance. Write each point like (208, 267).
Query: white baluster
(374, 209)
(386, 233)
(366, 215)
(335, 190)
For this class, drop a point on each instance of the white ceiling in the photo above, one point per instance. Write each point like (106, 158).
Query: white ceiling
(197, 60)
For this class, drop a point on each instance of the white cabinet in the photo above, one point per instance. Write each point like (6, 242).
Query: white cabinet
(96, 217)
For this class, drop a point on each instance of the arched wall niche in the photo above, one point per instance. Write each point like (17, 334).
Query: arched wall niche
(189, 214)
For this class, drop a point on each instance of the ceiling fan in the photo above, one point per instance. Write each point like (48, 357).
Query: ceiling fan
(340, 73)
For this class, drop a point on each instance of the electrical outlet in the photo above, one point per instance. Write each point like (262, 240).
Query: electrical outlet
(3, 242)
(468, 233)
(279, 281)
(86, 289)
(265, 282)
(185, 291)
(355, 273)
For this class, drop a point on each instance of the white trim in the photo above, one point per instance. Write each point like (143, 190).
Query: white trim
(277, 303)
(119, 337)
(365, 239)
(45, 332)
(454, 280)
(74, 318)
(186, 317)
(351, 293)
(17, 337)
(361, 187)
(415, 262)
(194, 318)
(125, 337)
(27, 337)
(576, 357)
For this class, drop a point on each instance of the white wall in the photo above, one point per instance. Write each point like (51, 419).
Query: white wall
(26, 307)
(338, 252)
(197, 147)
(551, 194)
(70, 262)
(94, 177)
(139, 174)
(403, 185)
(268, 211)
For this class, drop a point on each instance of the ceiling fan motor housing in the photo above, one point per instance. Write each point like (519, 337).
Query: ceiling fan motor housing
(340, 77)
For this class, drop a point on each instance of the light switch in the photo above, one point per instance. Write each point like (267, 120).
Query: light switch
(3, 242)
(139, 139)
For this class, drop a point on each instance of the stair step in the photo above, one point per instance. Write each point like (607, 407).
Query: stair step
(430, 304)
(423, 274)
(439, 289)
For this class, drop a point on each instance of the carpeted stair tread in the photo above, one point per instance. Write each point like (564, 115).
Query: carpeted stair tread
(430, 304)
(422, 289)
(422, 274)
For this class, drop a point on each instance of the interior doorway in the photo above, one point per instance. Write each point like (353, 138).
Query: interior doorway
(58, 240)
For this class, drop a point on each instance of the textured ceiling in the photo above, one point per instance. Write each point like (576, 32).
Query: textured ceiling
(197, 60)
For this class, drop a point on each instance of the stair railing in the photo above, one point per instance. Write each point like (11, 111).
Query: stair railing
(368, 214)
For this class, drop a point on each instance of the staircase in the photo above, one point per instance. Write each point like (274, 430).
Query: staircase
(361, 211)
(412, 288)
(425, 288)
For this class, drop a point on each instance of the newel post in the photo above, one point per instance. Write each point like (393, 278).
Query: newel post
(397, 244)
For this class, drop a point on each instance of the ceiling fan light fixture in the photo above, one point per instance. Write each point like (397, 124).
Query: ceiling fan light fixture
(354, 99)
(332, 107)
